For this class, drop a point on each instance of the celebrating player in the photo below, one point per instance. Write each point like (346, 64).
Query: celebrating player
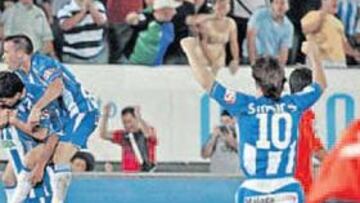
(59, 83)
(26, 146)
(308, 144)
(268, 125)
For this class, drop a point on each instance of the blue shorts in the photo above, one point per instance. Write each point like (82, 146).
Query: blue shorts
(78, 129)
(279, 190)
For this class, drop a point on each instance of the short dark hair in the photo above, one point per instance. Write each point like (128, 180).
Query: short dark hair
(299, 79)
(21, 42)
(87, 157)
(10, 84)
(128, 110)
(269, 75)
(226, 113)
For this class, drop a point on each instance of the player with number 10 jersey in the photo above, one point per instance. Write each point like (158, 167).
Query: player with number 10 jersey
(268, 128)
(268, 124)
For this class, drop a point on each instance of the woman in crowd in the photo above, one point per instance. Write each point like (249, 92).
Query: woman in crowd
(213, 32)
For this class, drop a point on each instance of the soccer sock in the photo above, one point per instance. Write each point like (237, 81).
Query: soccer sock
(9, 192)
(23, 187)
(60, 182)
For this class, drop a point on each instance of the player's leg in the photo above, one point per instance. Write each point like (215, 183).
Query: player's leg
(77, 132)
(9, 181)
(62, 170)
(24, 184)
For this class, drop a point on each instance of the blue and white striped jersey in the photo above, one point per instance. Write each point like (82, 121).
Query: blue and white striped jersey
(268, 129)
(44, 70)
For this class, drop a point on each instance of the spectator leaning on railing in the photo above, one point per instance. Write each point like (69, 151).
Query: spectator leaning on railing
(138, 140)
(83, 23)
(155, 33)
(28, 19)
(270, 32)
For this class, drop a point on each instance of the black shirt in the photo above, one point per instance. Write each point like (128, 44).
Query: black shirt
(180, 26)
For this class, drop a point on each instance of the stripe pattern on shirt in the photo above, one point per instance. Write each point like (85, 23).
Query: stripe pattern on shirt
(86, 39)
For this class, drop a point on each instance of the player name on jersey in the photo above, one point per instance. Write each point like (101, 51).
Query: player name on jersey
(273, 108)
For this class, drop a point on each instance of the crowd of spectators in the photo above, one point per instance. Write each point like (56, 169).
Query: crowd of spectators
(148, 32)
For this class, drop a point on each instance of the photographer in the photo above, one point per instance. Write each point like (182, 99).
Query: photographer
(222, 147)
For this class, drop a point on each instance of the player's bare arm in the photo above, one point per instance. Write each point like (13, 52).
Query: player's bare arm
(234, 45)
(312, 51)
(202, 75)
(53, 91)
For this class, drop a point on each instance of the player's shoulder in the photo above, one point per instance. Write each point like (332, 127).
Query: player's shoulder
(41, 58)
(41, 61)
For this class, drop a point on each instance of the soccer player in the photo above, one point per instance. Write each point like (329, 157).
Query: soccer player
(24, 145)
(308, 144)
(268, 125)
(59, 84)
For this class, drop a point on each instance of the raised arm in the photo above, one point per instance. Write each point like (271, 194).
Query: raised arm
(234, 46)
(208, 149)
(98, 14)
(144, 126)
(67, 23)
(103, 127)
(202, 75)
(312, 51)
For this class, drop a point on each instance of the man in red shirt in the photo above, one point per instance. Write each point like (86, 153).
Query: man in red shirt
(308, 143)
(138, 140)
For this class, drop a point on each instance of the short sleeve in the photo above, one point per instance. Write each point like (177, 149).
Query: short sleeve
(306, 98)
(48, 69)
(254, 20)
(287, 41)
(230, 100)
